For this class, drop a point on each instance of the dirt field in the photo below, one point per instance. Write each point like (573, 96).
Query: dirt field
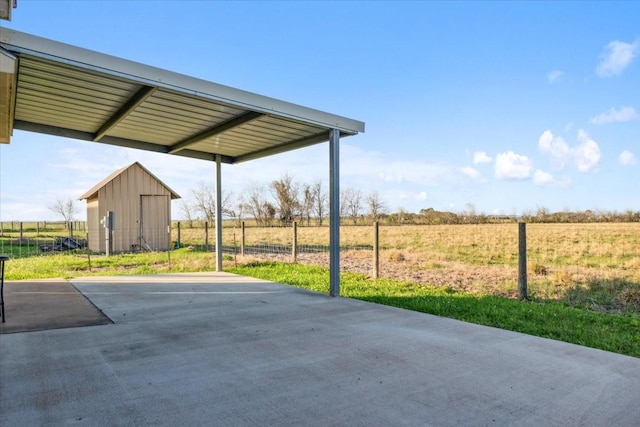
(561, 258)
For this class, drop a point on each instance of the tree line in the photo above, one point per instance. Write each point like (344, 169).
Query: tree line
(282, 202)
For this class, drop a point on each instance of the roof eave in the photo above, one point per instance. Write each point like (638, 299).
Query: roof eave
(153, 76)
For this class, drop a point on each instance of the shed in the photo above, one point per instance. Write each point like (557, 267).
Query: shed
(141, 206)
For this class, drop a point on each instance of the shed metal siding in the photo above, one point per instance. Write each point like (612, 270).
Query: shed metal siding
(154, 221)
(95, 231)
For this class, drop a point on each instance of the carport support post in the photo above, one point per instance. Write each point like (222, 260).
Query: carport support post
(334, 213)
(218, 212)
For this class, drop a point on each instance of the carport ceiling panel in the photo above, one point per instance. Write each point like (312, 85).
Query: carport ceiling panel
(256, 135)
(262, 134)
(59, 95)
(283, 129)
(62, 96)
(165, 118)
(268, 130)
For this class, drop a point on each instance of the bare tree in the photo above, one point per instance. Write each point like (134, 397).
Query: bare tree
(469, 215)
(308, 203)
(401, 216)
(269, 213)
(350, 204)
(344, 193)
(285, 193)
(255, 204)
(188, 211)
(67, 209)
(205, 202)
(236, 211)
(376, 205)
(321, 200)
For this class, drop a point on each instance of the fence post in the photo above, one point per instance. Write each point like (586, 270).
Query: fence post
(242, 240)
(20, 231)
(206, 236)
(294, 245)
(376, 250)
(522, 261)
(179, 243)
(235, 252)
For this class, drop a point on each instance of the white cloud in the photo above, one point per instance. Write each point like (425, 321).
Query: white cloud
(556, 147)
(587, 154)
(624, 114)
(512, 166)
(422, 196)
(554, 76)
(542, 178)
(627, 158)
(472, 173)
(481, 157)
(616, 57)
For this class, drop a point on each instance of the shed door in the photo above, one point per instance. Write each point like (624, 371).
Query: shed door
(154, 222)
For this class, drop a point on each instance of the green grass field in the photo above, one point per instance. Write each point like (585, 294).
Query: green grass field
(618, 333)
(584, 279)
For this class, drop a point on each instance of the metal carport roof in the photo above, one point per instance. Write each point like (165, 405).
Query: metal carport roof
(58, 89)
(77, 93)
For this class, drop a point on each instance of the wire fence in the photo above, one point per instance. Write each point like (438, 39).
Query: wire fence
(472, 257)
(478, 258)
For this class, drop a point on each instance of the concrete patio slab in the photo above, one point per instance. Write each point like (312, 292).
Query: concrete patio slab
(219, 349)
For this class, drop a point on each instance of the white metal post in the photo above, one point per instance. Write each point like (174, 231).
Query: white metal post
(334, 213)
(218, 212)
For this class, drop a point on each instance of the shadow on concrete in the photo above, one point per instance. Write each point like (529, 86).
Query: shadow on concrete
(47, 304)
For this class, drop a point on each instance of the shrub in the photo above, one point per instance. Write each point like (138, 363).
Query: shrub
(630, 298)
(396, 256)
(539, 269)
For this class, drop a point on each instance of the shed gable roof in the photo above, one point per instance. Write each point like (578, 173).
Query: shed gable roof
(119, 172)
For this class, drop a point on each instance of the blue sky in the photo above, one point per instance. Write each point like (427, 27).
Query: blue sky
(506, 106)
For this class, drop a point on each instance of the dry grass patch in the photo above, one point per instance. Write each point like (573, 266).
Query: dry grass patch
(482, 259)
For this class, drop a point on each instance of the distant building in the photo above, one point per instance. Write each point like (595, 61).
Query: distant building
(141, 206)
